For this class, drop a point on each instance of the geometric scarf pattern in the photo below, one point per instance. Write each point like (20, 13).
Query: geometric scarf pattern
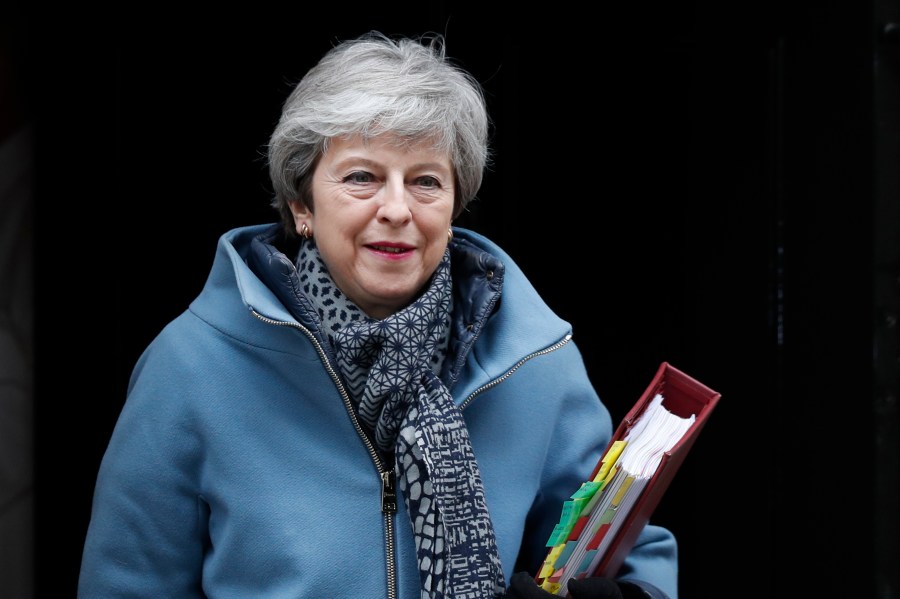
(388, 367)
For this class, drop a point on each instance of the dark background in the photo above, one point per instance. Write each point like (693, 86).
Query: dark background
(710, 184)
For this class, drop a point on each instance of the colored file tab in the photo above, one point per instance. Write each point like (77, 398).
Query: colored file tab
(579, 526)
(550, 587)
(601, 532)
(551, 583)
(626, 484)
(571, 511)
(585, 563)
(587, 490)
(558, 532)
(599, 495)
(567, 549)
(609, 459)
(550, 562)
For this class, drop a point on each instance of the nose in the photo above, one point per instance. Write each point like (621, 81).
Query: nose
(395, 204)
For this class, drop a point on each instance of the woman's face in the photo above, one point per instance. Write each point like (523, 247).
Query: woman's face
(382, 211)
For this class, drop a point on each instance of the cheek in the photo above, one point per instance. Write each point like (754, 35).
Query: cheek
(440, 217)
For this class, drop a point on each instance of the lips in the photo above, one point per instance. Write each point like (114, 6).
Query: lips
(390, 247)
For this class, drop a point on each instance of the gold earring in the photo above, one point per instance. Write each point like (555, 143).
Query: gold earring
(449, 235)
(305, 231)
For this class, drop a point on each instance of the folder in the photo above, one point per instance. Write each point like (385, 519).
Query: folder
(629, 480)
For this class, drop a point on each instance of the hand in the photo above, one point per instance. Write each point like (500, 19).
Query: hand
(594, 587)
(523, 586)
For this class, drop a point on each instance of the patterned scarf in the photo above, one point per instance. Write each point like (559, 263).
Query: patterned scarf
(389, 368)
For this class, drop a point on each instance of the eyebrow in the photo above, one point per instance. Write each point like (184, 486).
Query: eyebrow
(375, 164)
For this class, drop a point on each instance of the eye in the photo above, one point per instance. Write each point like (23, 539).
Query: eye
(358, 177)
(428, 182)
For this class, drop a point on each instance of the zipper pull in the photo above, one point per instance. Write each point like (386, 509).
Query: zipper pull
(388, 492)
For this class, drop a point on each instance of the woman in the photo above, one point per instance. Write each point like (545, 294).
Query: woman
(363, 401)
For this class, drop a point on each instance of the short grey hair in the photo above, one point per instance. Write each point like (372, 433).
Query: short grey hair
(371, 85)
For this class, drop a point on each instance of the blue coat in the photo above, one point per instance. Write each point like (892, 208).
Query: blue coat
(235, 469)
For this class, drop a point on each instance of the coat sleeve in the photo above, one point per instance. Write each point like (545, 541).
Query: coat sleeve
(147, 528)
(580, 434)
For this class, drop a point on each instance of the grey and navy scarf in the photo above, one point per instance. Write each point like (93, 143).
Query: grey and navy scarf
(389, 368)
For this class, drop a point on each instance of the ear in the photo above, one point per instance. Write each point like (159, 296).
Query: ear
(301, 214)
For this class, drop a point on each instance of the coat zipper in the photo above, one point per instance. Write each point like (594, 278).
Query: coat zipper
(509, 372)
(388, 483)
(388, 478)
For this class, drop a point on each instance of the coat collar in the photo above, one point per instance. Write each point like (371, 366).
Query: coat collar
(477, 285)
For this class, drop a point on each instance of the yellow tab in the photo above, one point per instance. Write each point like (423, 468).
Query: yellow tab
(554, 553)
(609, 459)
(550, 587)
(626, 484)
(551, 558)
(546, 570)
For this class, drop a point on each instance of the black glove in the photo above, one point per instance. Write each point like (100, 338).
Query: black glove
(523, 586)
(594, 587)
(597, 587)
